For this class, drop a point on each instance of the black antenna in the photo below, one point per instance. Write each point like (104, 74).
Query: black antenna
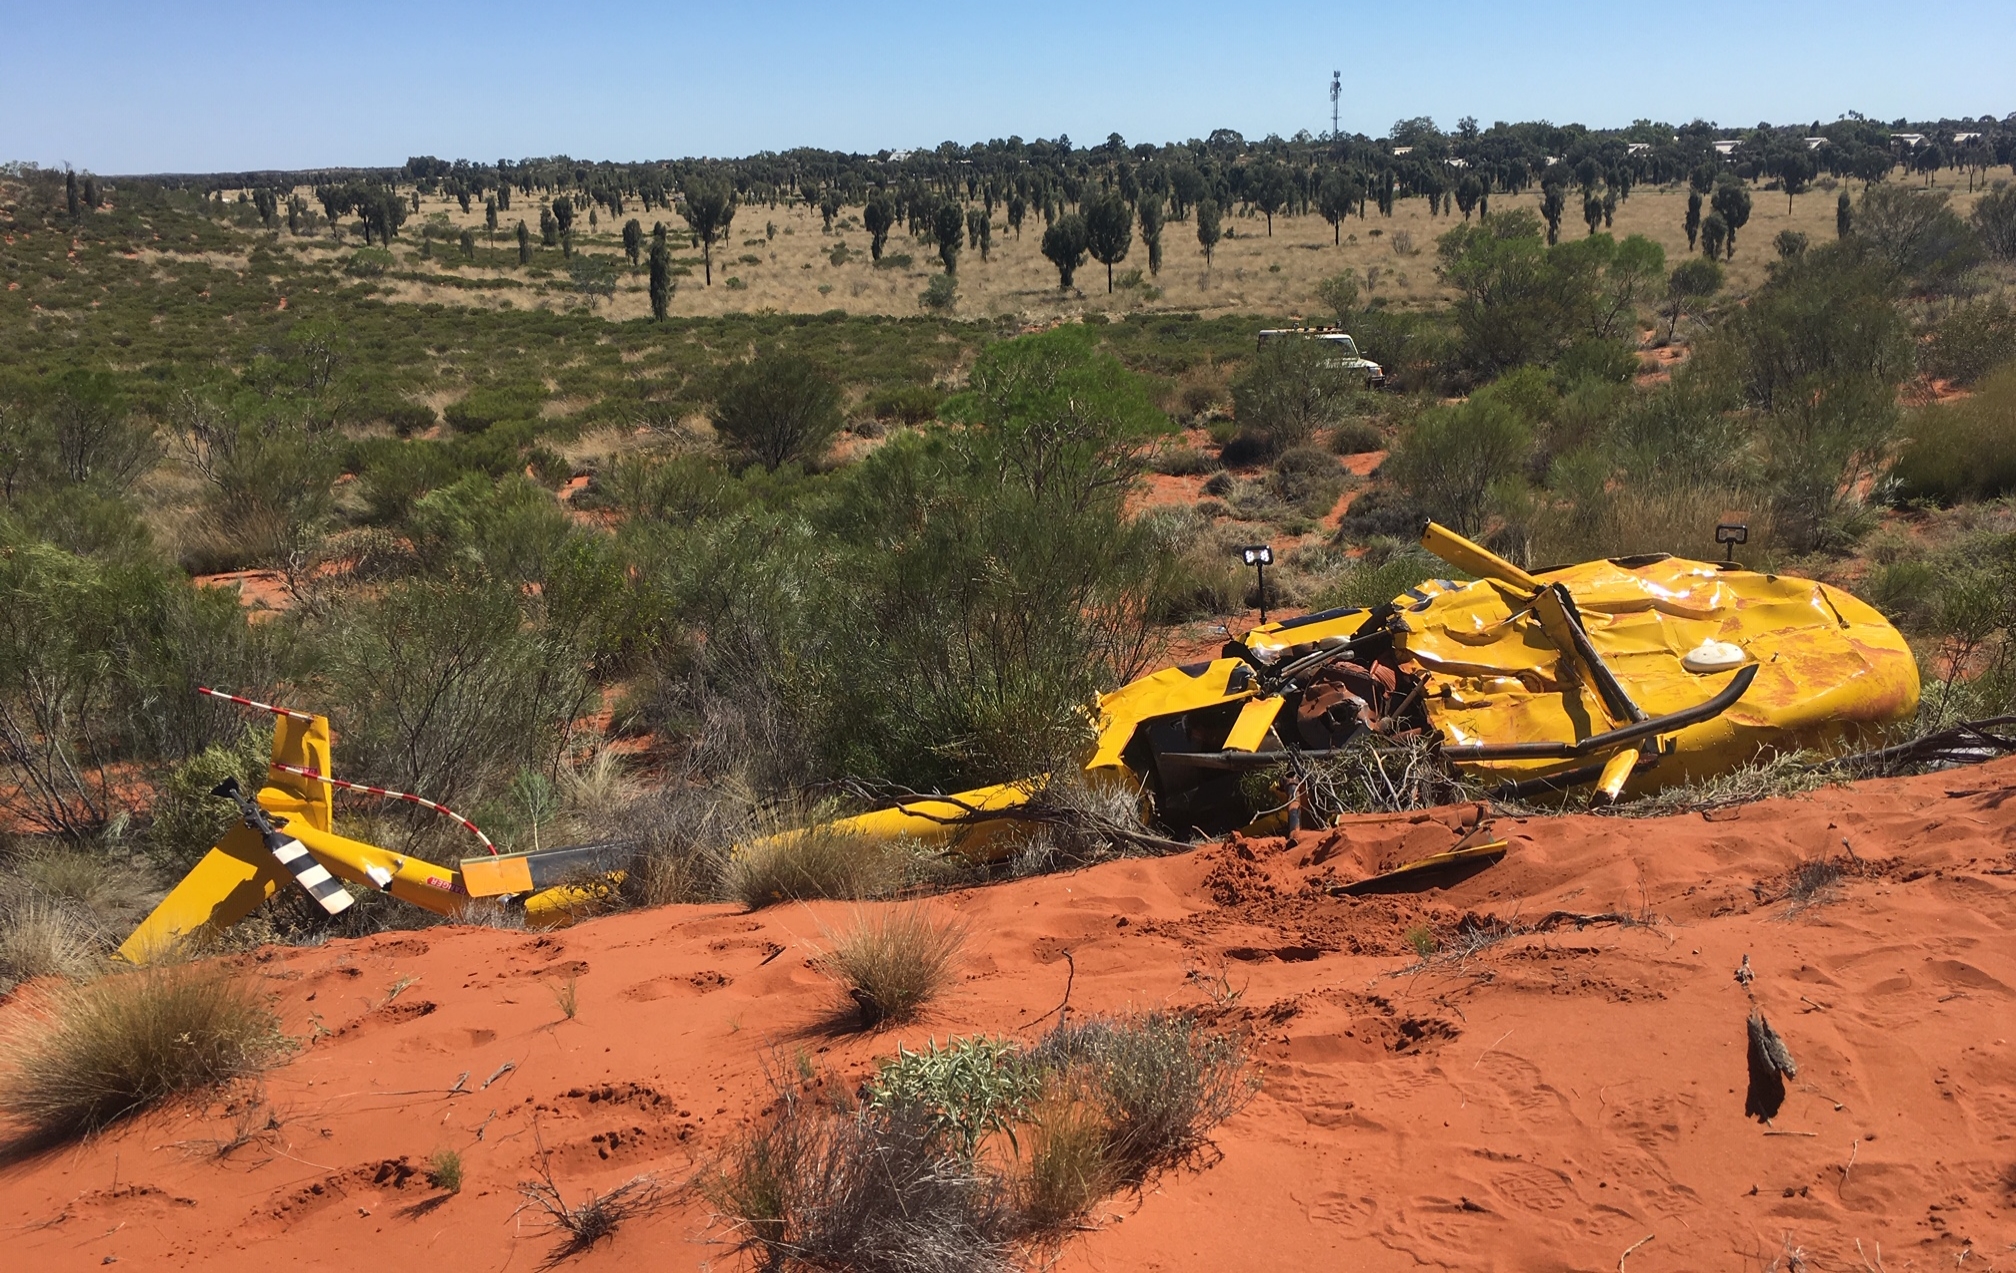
(1336, 91)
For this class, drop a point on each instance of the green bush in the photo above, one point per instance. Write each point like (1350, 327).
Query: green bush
(1971, 341)
(1289, 392)
(776, 409)
(368, 263)
(940, 294)
(1450, 460)
(1961, 450)
(1309, 478)
(1356, 437)
(1184, 461)
(905, 404)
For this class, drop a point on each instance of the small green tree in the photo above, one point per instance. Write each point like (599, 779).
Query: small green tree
(490, 215)
(1714, 233)
(1694, 279)
(563, 214)
(633, 241)
(1694, 219)
(948, 230)
(879, 217)
(662, 283)
(1339, 294)
(1553, 203)
(1795, 174)
(1209, 230)
(1994, 220)
(1109, 231)
(1268, 188)
(1732, 200)
(1469, 193)
(1150, 212)
(549, 227)
(1451, 460)
(524, 244)
(1844, 216)
(709, 209)
(469, 244)
(777, 408)
(1592, 211)
(71, 204)
(1333, 201)
(1289, 392)
(1064, 243)
(829, 207)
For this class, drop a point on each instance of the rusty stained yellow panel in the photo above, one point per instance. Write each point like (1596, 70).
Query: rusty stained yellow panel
(1832, 671)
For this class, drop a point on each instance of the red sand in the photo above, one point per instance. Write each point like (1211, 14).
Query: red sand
(1546, 1103)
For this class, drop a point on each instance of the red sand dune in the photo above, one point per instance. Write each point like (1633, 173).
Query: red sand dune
(1546, 1103)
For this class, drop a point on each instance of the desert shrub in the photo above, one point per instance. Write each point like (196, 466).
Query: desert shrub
(941, 294)
(1246, 448)
(1386, 570)
(776, 409)
(1184, 461)
(444, 1170)
(875, 1190)
(1289, 392)
(46, 935)
(683, 833)
(491, 404)
(911, 404)
(893, 962)
(1068, 1169)
(122, 1043)
(1356, 437)
(1971, 341)
(1916, 235)
(1308, 478)
(813, 862)
(187, 820)
(1160, 1082)
(393, 477)
(1961, 450)
(1995, 221)
(1450, 460)
(368, 263)
(1381, 511)
(970, 1088)
(442, 688)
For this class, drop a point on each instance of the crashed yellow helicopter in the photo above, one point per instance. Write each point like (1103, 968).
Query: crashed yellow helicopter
(1620, 675)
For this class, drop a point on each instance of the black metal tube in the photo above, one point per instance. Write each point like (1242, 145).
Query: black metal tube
(1631, 733)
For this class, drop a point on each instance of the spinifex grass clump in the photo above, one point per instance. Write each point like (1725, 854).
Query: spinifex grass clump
(956, 1157)
(115, 1046)
(890, 964)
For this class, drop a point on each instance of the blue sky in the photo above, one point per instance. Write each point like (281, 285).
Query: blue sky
(210, 85)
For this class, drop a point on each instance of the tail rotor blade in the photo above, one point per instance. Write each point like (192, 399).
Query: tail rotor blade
(325, 888)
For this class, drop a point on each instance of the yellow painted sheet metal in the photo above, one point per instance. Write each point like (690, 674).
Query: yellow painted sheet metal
(1163, 693)
(1832, 671)
(496, 876)
(1255, 719)
(224, 887)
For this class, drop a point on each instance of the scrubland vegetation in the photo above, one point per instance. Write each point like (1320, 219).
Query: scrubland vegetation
(577, 565)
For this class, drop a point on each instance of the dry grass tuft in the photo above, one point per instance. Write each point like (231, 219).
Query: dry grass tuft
(868, 1190)
(814, 862)
(44, 937)
(444, 1170)
(113, 1047)
(1160, 1082)
(596, 1217)
(1068, 1170)
(890, 964)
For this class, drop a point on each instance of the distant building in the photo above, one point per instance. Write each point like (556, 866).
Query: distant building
(1913, 140)
(1402, 150)
(1815, 143)
(1961, 139)
(1727, 147)
(1637, 147)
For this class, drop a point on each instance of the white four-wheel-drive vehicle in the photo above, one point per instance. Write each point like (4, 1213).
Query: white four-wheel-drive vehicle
(1342, 349)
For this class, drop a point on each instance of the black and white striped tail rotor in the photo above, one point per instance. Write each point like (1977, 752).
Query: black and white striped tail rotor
(326, 889)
